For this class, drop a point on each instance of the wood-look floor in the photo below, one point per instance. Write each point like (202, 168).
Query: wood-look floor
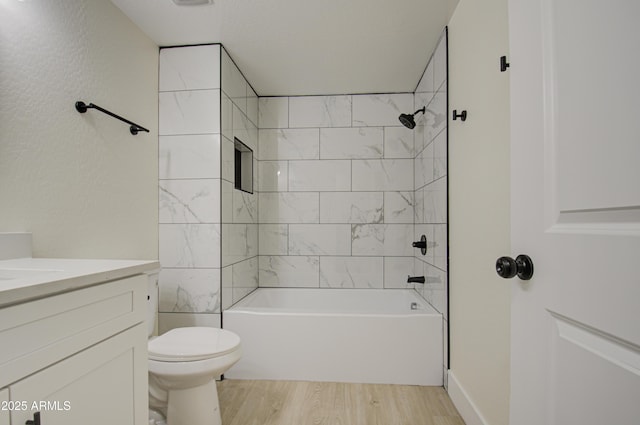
(328, 403)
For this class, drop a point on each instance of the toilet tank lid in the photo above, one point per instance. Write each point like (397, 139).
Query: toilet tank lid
(192, 343)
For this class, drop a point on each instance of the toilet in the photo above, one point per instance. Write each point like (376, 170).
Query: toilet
(183, 366)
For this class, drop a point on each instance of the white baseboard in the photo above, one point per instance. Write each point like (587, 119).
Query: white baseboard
(467, 409)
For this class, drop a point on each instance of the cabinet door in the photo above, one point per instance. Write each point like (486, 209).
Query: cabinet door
(102, 385)
(36, 334)
(4, 407)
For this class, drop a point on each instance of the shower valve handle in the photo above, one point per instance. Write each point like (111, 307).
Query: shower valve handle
(421, 244)
(507, 267)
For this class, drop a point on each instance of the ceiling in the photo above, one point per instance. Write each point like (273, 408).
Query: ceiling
(304, 47)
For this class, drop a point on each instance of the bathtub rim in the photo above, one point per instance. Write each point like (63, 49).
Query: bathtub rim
(240, 307)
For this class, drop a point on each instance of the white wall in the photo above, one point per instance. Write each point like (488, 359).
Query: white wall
(479, 212)
(81, 183)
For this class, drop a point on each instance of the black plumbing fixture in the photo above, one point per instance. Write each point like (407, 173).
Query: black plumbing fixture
(504, 64)
(134, 129)
(462, 115)
(421, 244)
(407, 119)
(415, 279)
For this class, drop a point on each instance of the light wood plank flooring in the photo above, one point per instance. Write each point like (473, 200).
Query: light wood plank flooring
(328, 403)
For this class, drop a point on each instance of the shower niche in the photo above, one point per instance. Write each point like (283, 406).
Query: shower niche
(243, 166)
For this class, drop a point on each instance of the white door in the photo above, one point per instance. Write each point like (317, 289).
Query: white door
(575, 197)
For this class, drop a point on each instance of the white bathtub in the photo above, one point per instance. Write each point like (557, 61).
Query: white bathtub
(337, 335)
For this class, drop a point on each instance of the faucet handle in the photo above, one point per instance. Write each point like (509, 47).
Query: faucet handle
(422, 244)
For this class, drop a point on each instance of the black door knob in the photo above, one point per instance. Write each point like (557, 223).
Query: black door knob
(522, 266)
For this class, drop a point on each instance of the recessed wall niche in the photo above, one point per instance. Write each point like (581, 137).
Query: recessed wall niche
(243, 164)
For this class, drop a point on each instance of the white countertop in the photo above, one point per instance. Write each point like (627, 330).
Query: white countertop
(24, 279)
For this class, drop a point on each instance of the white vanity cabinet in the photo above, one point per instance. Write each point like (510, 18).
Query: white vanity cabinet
(78, 358)
(4, 403)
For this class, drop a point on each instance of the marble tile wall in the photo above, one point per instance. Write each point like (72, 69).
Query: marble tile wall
(240, 212)
(190, 222)
(336, 180)
(430, 195)
(430, 165)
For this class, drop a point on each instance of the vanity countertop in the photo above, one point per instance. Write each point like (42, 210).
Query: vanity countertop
(25, 279)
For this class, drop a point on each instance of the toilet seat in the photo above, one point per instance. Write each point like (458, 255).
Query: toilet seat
(192, 344)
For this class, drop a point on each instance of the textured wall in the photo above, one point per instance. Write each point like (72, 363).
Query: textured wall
(81, 183)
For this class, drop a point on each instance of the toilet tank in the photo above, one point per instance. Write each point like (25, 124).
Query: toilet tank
(152, 300)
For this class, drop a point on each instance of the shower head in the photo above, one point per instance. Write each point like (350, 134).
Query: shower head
(407, 119)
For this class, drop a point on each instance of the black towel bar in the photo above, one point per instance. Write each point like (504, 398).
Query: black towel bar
(134, 129)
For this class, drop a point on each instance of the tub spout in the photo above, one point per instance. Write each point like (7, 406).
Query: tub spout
(415, 279)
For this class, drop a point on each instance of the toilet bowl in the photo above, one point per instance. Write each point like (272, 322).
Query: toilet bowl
(183, 366)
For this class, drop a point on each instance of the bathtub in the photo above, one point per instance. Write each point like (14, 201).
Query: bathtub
(337, 335)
